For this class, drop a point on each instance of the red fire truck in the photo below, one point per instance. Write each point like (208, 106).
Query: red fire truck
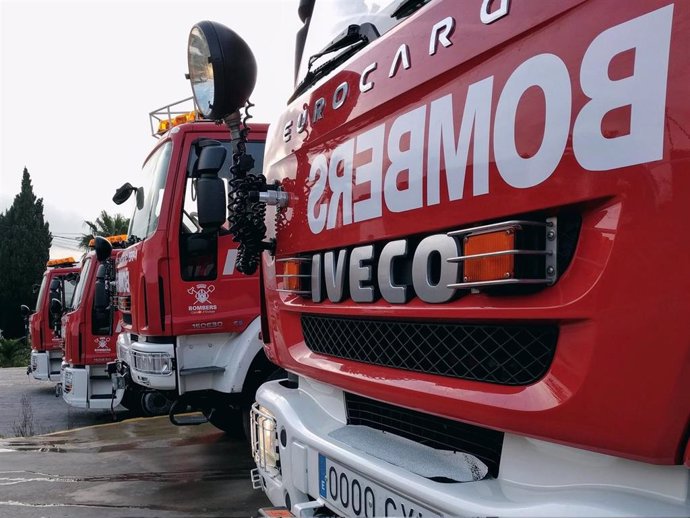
(90, 327)
(190, 319)
(59, 281)
(473, 204)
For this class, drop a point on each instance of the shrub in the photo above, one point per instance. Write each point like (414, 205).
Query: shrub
(14, 353)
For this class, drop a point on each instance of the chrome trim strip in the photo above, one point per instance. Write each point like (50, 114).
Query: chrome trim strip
(505, 225)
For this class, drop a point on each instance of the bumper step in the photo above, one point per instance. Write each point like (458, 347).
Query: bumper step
(201, 370)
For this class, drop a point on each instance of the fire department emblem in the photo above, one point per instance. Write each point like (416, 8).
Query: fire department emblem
(203, 303)
(102, 344)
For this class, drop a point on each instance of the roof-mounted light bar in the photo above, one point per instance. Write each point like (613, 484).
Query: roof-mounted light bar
(63, 261)
(167, 117)
(113, 240)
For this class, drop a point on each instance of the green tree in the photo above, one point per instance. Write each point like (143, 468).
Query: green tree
(25, 241)
(105, 225)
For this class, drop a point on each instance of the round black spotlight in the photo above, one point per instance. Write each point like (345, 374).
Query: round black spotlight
(222, 69)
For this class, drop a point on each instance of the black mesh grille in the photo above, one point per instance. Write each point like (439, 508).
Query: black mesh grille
(508, 355)
(433, 431)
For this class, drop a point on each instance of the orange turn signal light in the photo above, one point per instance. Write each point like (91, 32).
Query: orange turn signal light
(291, 280)
(493, 267)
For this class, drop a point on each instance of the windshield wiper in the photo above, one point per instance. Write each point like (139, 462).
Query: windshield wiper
(407, 7)
(355, 37)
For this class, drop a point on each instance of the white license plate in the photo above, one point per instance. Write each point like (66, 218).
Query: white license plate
(351, 494)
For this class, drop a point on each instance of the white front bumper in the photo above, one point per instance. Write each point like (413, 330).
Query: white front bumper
(215, 361)
(89, 387)
(536, 478)
(45, 366)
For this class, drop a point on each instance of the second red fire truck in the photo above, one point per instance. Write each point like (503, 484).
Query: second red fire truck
(90, 326)
(191, 328)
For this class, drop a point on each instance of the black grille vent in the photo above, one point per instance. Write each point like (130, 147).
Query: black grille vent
(433, 431)
(507, 355)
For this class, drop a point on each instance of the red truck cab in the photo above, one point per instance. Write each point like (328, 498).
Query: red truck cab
(190, 319)
(90, 327)
(476, 201)
(59, 281)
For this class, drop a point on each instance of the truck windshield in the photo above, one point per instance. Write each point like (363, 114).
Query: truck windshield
(331, 17)
(155, 171)
(81, 285)
(42, 292)
(69, 287)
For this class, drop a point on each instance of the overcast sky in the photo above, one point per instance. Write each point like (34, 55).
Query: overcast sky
(80, 78)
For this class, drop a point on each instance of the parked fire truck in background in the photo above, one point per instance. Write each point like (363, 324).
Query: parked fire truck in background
(90, 326)
(190, 319)
(475, 204)
(59, 281)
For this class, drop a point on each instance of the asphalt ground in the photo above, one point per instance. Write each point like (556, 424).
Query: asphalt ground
(140, 467)
(24, 400)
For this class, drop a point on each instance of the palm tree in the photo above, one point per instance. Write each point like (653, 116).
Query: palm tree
(105, 225)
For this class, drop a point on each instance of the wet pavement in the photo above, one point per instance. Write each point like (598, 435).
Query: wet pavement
(21, 395)
(143, 467)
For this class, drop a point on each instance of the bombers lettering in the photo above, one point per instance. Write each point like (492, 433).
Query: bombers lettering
(413, 143)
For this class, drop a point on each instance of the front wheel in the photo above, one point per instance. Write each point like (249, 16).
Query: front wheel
(233, 421)
(153, 403)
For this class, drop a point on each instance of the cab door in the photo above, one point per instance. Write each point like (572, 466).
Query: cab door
(210, 294)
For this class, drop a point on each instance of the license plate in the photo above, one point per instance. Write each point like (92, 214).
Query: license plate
(352, 494)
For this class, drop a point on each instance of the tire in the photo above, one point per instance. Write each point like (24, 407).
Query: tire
(131, 401)
(233, 421)
(153, 403)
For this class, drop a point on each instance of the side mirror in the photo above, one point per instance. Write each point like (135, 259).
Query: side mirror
(55, 307)
(35, 288)
(140, 198)
(25, 311)
(100, 296)
(210, 189)
(123, 193)
(103, 248)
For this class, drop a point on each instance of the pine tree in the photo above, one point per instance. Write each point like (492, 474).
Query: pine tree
(25, 241)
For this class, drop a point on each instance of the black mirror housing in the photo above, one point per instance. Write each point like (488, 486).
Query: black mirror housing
(25, 311)
(211, 159)
(55, 307)
(140, 198)
(123, 193)
(100, 296)
(210, 202)
(103, 248)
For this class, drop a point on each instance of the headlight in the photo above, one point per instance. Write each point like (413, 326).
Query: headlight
(265, 440)
(222, 69)
(123, 350)
(152, 363)
(67, 384)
